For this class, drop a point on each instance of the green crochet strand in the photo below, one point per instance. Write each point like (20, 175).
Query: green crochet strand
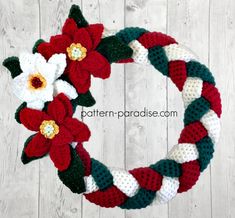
(196, 69)
(142, 199)
(101, 174)
(205, 149)
(159, 59)
(130, 33)
(196, 110)
(168, 168)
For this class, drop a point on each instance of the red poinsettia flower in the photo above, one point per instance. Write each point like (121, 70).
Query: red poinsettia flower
(56, 130)
(79, 45)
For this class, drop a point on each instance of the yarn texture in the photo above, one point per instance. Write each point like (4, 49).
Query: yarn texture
(56, 78)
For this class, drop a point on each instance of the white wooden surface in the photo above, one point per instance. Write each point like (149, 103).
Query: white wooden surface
(205, 26)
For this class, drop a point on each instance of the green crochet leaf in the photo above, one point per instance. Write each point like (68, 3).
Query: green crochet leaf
(130, 33)
(141, 200)
(36, 44)
(168, 168)
(73, 176)
(17, 113)
(158, 59)
(196, 110)
(101, 174)
(85, 100)
(113, 49)
(76, 14)
(13, 65)
(24, 158)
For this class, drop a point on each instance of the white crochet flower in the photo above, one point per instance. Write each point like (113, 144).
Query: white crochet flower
(38, 82)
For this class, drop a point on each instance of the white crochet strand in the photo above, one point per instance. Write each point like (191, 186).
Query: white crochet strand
(125, 182)
(178, 52)
(212, 123)
(122, 179)
(184, 152)
(90, 184)
(192, 90)
(58, 59)
(168, 190)
(108, 32)
(140, 53)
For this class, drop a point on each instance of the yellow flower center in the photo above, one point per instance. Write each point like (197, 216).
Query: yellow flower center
(36, 81)
(49, 129)
(76, 52)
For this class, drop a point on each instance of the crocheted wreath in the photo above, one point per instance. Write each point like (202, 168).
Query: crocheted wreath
(53, 80)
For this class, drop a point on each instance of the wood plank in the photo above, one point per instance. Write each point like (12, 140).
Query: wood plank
(18, 183)
(222, 56)
(107, 139)
(188, 22)
(146, 138)
(56, 200)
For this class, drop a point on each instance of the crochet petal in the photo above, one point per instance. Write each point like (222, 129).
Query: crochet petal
(83, 37)
(60, 43)
(81, 79)
(97, 64)
(38, 104)
(61, 86)
(48, 71)
(32, 118)
(39, 59)
(95, 31)
(38, 146)
(60, 61)
(67, 104)
(60, 155)
(69, 28)
(57, 110)
(20, 88)
(63, 137)
(46, 49)
(45, 94)
(78, 129)
(27, 62)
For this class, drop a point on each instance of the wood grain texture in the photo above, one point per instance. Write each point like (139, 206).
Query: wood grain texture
(19, 185)
(222, 56)
(206, 27)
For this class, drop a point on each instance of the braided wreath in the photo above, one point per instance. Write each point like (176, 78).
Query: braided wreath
(55, 79)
